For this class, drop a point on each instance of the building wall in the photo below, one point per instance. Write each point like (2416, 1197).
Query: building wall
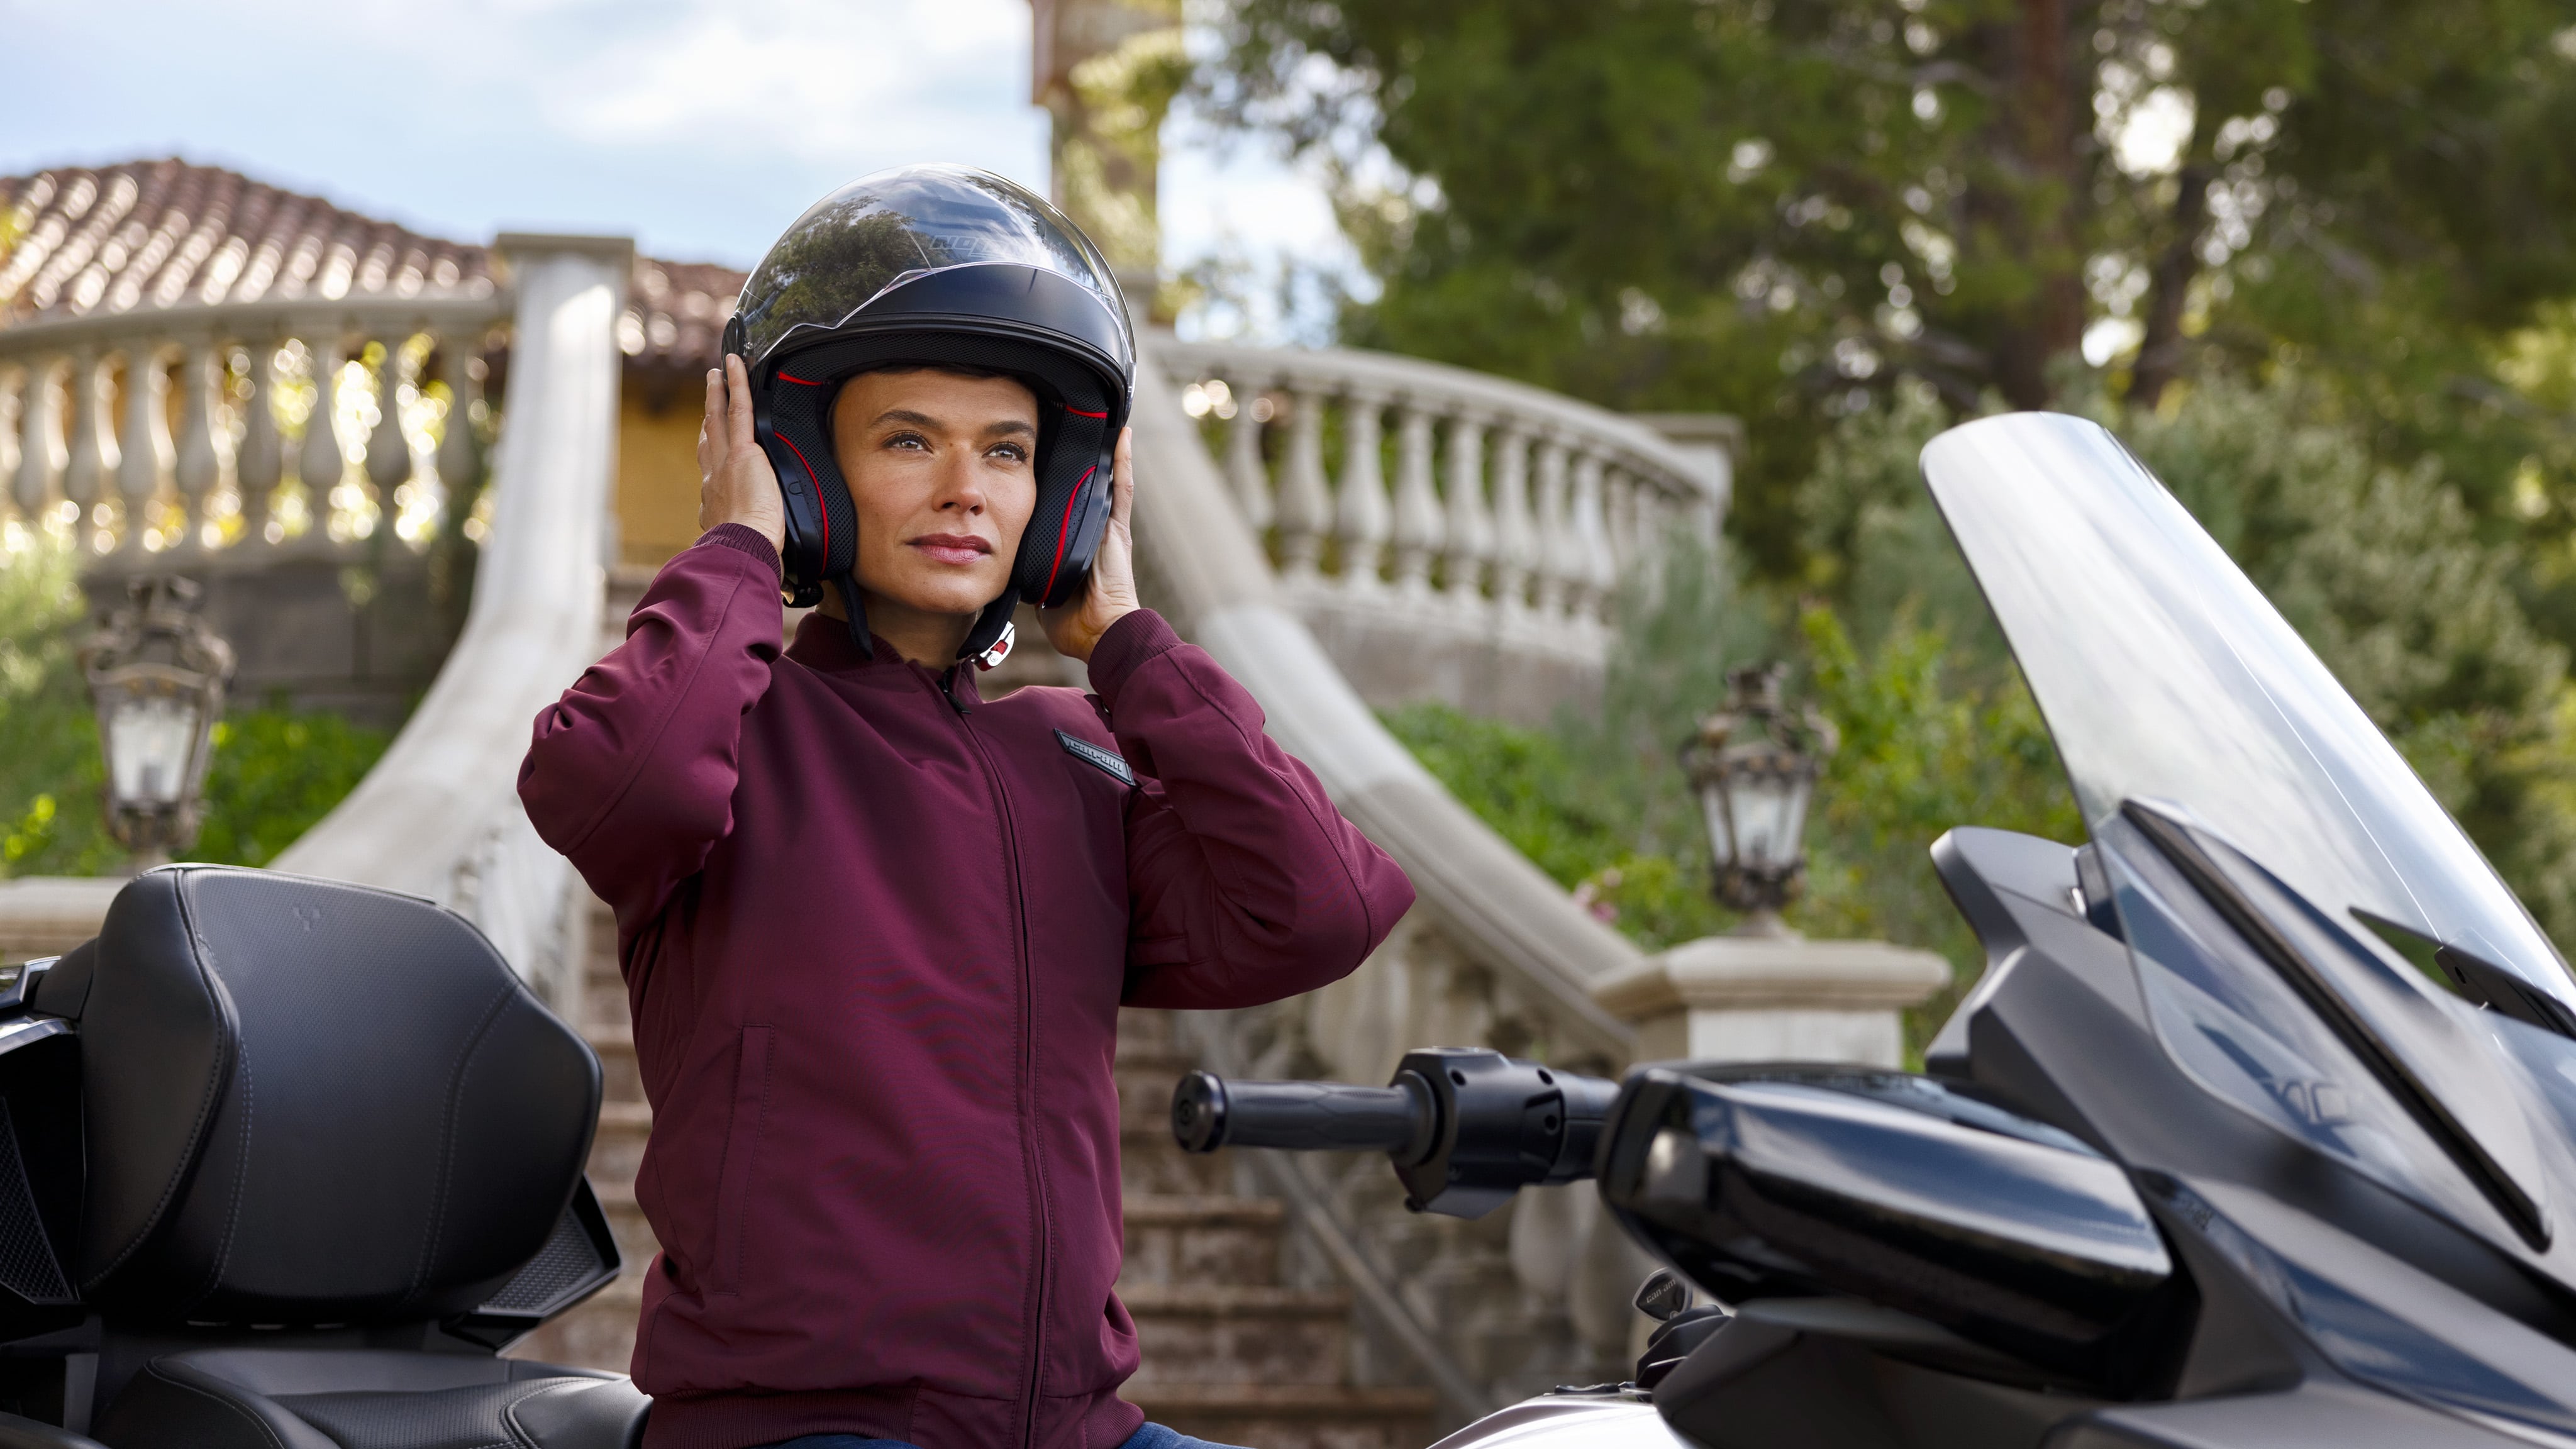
(657, 479)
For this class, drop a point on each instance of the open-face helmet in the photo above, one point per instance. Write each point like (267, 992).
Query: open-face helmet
(938, 266)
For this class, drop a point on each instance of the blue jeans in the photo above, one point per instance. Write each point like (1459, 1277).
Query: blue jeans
(1152, 1436)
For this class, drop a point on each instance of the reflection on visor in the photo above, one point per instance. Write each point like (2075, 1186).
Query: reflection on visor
(893, 227)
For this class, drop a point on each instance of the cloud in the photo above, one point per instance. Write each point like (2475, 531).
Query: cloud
(813, 78)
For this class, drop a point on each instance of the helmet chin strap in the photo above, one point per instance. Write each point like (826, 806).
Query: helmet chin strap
(858, 612)
(987, 644)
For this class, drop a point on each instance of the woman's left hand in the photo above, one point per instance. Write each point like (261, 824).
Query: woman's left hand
(1075, 629)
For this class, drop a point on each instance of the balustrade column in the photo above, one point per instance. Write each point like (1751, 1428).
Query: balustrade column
(85, 473)
(1417, 504)
(1619, 491)
(198, 463)
(259, 465)
(1515, 532)
(1471, 530)
(143, 445)
(1360, 516)
(34, 483)
(1557, 554)
(458, 458)
(319, 463)
(1593, 574)
(1305, 499)
(389, 460)
(1244, 473)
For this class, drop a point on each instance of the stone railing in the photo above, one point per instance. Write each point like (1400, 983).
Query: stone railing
(439, 815)
(1444, 532)
(233, 436)
(1494, 954)
(272, 463)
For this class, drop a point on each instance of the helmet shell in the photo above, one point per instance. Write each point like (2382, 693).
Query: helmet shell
(938, 265)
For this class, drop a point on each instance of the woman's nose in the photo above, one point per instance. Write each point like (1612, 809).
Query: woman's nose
(960, 488)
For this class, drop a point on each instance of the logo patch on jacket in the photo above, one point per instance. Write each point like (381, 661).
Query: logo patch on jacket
(1108, 762)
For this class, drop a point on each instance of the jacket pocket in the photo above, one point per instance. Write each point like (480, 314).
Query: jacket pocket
(741, 1156)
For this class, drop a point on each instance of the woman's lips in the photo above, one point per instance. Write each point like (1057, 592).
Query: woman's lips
(952, 548)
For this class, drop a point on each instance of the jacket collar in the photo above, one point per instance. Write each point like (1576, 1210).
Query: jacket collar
(823, 643)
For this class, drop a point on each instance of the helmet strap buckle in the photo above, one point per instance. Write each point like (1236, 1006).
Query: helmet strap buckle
(1000, 649)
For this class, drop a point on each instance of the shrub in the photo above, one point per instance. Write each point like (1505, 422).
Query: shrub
(275, 771)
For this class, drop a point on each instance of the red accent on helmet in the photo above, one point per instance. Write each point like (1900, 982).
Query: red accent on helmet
(791, 377)
(816, 484)
(1064, 529)
(1079, 413)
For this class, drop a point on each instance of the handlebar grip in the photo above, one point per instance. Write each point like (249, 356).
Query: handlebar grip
(1209, 1112)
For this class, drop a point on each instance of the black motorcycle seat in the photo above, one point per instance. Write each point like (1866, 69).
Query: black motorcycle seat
(248, 1398)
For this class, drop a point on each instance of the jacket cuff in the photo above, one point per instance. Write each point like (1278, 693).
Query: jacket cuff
(1131, 643)
(743, 538)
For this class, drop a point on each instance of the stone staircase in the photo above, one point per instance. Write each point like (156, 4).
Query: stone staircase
(1229, 1354)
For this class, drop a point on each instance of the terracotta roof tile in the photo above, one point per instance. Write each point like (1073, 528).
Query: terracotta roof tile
(75, 241)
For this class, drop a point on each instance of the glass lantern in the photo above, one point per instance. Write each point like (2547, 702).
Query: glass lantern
(1754, 766)
(156, 678)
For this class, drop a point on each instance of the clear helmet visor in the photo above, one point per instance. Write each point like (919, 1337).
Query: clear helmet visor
(894, 226)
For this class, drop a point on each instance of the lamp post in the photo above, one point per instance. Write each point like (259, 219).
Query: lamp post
(156, 677)
(1754, 765)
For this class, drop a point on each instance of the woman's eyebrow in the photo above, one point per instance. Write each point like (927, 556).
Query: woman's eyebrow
(1006, 428)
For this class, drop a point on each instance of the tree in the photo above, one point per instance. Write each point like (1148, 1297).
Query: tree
(1778, 207)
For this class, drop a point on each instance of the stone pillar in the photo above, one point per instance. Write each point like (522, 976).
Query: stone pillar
(1106, 70)
(1773, 998)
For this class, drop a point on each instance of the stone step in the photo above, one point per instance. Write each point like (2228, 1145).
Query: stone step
(1145, 1095)
(617, 1149)
(1201, 1240)
(1207, 1333)
(618, 1079)
(1292, 1416)
(1148, 1033)
(635, 1241)
(1151, 1163)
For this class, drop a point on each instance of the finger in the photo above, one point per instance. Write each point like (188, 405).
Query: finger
(711, 428)
(738, 388)
(1122, 477)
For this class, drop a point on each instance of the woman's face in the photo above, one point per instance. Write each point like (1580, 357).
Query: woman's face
(942, 470)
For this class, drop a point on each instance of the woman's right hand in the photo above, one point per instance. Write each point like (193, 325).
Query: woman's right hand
(735, 482)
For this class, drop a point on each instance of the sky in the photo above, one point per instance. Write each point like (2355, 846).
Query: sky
(699, 127)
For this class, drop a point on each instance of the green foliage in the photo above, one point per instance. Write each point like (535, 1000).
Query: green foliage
(274, 773)
(49, 761)
(1923, 749)
(1601, 804)
(1779, 210)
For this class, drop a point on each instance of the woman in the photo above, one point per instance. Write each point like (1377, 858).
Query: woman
(876, 929)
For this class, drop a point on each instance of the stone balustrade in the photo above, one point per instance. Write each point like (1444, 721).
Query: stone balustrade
(1444, 532)
(235, 435)
(308, 433)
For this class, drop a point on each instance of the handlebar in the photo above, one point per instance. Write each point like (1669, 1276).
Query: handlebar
(1465, 1129)
(1209, 1112)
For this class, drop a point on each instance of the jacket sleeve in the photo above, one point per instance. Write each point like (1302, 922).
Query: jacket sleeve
(1245, 884)
(631, 774)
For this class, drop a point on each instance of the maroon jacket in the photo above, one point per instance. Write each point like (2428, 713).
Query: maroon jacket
(876, 932)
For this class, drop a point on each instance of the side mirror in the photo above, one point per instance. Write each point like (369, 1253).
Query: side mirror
(1796, 1181)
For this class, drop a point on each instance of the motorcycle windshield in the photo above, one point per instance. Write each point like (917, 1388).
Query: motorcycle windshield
(2165, 675)
(2269, 853)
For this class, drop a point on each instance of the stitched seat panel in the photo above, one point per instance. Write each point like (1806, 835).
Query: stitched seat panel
(466, 1418)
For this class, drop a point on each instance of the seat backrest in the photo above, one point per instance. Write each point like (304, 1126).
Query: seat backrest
(310, 1102)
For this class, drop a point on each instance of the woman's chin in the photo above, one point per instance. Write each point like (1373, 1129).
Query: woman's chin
(950, 595)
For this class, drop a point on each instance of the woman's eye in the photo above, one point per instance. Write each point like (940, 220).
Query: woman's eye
(1012, 451)
(906, 440)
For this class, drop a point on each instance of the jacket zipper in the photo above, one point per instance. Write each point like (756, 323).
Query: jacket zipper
(1044, 1220)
